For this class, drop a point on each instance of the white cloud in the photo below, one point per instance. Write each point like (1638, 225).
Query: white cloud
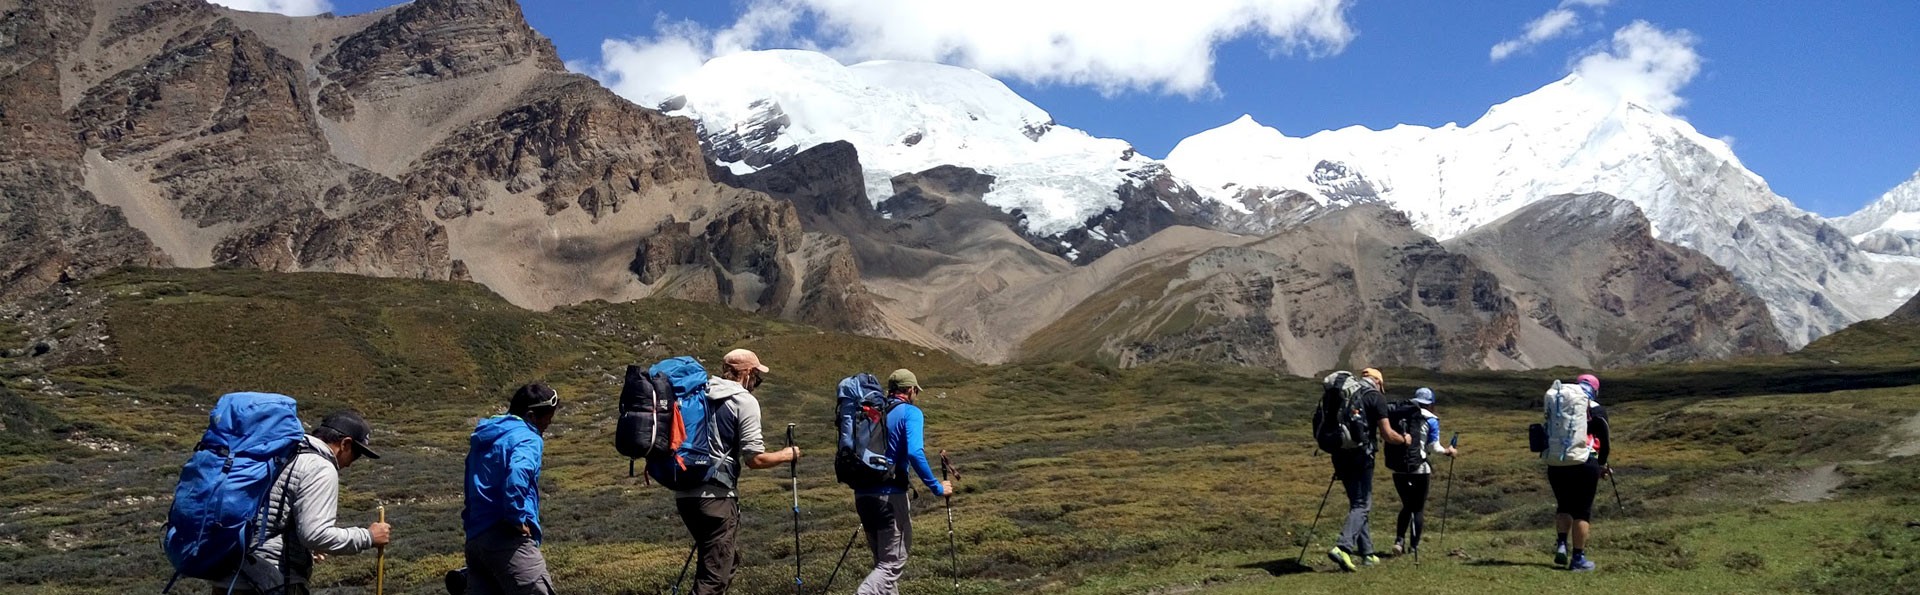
(1110, 45)
(298, 8)
(1643, 63)
(1560, 21)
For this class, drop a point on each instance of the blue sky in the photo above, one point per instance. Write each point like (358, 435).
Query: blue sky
(1820, 98)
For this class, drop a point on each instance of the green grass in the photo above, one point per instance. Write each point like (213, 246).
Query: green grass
(1080, 477)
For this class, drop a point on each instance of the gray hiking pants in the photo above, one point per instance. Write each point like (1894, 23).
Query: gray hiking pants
(713, 522)
(501, 561)
(888, 521)
(1355, 470)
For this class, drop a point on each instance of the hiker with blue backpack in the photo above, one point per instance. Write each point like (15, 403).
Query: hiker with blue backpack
(720, 423)
(501, 515)
(1412, 467)
(881, 437)
(258, 501)
(1351, 416)
(1574, 442)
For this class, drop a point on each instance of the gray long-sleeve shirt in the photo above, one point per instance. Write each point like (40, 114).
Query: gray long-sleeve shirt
(744, 409)
(310, 487)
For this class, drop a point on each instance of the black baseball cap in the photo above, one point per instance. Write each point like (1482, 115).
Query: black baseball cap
(534, 396)
(355, 427)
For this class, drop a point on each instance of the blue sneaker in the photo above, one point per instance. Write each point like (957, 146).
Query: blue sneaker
(1341, 558)
(1581, 564)
(1560, 555)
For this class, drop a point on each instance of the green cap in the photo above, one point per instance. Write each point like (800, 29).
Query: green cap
(902, 378)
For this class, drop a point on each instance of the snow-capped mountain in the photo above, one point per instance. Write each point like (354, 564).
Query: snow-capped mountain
(1566, 138)
(1890, 225)
(756, 108)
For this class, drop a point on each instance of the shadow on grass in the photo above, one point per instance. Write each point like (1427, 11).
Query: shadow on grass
(1281, 567)
(1511, 564)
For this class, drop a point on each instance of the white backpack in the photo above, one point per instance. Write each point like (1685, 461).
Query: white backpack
(1568, 442)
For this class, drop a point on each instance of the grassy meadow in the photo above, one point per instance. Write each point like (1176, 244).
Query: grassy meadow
(1078, 478)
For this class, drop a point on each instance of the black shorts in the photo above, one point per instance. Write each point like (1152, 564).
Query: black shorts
(1574, 487)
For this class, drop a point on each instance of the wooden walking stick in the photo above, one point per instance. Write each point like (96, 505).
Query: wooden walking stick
(380, 567)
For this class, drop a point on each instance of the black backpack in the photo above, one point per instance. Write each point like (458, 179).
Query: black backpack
(1406, 418)
(645, 428)
(860, 418)
(1340, 424)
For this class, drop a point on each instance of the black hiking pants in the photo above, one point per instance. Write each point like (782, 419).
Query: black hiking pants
(1355, 469)
(1413, 489)
(1574, 487)
(713, 523)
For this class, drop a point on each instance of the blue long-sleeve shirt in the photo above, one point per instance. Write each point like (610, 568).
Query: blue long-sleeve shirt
(907, 446)
(503, 476)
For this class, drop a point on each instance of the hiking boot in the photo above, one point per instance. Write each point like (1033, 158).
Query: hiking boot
(1369, 560)
(1581, 564)
(1560, 555)
(1341, 558)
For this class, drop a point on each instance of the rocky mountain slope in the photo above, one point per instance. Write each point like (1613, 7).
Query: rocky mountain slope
(1597, 290)
(1358, 285)
(436, 139)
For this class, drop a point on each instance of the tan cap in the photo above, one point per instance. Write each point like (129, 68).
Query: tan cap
(741, 359)
(1379, 381)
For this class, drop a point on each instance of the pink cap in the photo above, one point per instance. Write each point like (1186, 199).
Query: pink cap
(1590, 380)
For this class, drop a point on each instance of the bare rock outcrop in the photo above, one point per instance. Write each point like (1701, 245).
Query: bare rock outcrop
(1587, 270)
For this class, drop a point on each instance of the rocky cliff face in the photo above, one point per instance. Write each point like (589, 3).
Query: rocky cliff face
(1587, 270)
(436, 139)
(51, 226)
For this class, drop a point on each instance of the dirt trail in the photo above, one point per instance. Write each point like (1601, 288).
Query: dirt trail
(1813, 485)
(1906, 439)
(1820, 483)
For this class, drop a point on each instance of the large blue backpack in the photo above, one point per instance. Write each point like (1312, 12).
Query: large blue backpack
(860, 459)
(217, 506)
(700, 452)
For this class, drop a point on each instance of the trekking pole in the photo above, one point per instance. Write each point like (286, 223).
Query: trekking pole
(946, 469)
(683, 569)
(1617, 505)
(379, 572)
(1448, 499)
(793, 466)
(843, 560)
(1316, 521)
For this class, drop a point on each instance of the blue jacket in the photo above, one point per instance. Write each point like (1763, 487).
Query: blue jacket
(503, 476)
(906, 446)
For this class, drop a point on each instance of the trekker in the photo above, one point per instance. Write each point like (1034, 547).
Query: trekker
(502, 512)
(1414, 483)
(885, 513)
(712, 512)
(1354, 468)
(310, 488)
(1575, 485)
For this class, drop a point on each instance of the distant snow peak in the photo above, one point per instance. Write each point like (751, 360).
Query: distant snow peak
(1567, 139)
(756, 108)
(1891, 225)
